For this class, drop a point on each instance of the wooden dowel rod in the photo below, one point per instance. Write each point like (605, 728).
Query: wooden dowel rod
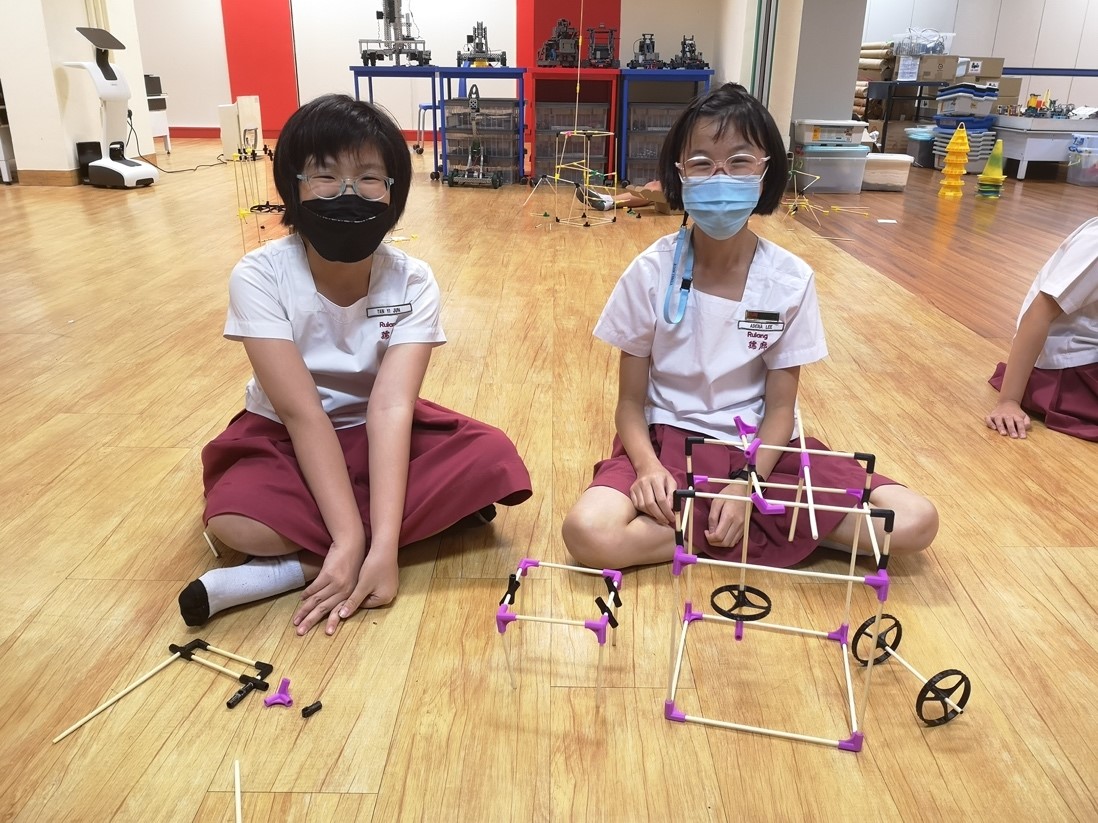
(236, 790)
(678, 662)
(215, 667)
(116, 698)
(709, 561)
(557, 620)
(705, 721)
(232, 656)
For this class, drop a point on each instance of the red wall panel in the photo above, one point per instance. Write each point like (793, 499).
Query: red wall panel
(259, 42)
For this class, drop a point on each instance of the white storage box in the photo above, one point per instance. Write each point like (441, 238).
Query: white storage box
(840, 169)
(833, 132)
(886, 172)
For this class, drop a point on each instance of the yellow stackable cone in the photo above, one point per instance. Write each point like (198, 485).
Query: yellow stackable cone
(955, 160)
(989, 184)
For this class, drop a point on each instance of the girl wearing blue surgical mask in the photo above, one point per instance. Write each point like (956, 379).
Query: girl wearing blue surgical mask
(713, 324)
(335, 462)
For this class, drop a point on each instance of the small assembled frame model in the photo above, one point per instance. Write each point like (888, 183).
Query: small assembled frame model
(743, 607)
(477, 52)
(561, 50)
(645, 55)
(474, 174)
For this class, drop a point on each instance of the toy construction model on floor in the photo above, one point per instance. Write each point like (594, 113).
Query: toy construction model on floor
(474, 173)
(743, 607)
(396, 40)
(476, 51)
(607, 611)
(188, 651)
(589, 193)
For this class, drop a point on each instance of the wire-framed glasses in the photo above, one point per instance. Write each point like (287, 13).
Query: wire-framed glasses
(329, 187)
(701, 167)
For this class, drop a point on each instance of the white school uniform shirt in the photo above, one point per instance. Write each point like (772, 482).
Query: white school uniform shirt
(1070, 277)
(272, 295)
(711, 366)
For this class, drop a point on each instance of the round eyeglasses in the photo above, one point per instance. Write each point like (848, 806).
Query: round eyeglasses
(329, 187)
(738, 165)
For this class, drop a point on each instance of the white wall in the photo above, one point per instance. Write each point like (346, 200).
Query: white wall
(1051, 34)
(184, 43)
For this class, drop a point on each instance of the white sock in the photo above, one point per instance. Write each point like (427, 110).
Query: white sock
(220, 589)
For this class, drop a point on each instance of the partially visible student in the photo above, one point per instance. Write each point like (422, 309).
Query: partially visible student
(1052, 369)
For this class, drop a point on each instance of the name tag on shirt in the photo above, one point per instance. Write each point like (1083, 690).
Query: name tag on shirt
(388, 311)
(761, 321)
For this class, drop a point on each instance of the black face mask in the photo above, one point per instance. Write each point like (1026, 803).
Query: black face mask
(347, 229)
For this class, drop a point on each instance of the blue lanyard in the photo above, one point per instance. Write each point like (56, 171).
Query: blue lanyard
(687, 278)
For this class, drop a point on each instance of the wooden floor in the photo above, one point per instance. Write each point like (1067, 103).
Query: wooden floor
(114, 374)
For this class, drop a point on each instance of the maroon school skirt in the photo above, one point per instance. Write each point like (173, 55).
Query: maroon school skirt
(1067, 399)
(457, 466)
(768, 542)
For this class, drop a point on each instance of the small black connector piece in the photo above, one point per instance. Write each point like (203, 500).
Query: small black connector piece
(607, 611)
(187, 652)
(513, 584)
(311, 709)
(241, 693)
(612, 590)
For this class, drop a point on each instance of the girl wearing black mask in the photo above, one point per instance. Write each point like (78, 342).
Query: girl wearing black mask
(335, 462)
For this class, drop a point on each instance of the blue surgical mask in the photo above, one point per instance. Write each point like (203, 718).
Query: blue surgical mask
(721, 204)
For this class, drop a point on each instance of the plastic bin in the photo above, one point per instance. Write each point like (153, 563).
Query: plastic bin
(840, 169)
(886, 172)
(1083, 165)
(828, 132)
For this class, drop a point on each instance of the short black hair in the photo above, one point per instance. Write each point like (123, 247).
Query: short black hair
(731, 106)
(332, 125)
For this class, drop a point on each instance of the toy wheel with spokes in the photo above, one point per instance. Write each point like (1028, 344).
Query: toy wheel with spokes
(748, 603)
(951, 686)
(435, 175)
(888, 637)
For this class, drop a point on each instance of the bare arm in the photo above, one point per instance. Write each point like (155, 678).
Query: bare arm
(283, 375)
(652, 492)
(389, 429)
(285, 378)
(1007, 417)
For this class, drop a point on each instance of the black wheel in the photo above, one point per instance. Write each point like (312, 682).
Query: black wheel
(524, 180)
(435, 175)
(887, 638)
(748, 603)
(419, 149)
(952, 685)
(624, 182)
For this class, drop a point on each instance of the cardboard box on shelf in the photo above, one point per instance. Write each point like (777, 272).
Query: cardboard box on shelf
(933, 67)
(884, 73)
(897, 137)
(1008, 86)
(982, 66)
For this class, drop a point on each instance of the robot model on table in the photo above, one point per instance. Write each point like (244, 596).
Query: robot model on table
(396, 40)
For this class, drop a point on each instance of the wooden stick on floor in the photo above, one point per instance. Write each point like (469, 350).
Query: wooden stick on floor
(116, 698)
(236, 789)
